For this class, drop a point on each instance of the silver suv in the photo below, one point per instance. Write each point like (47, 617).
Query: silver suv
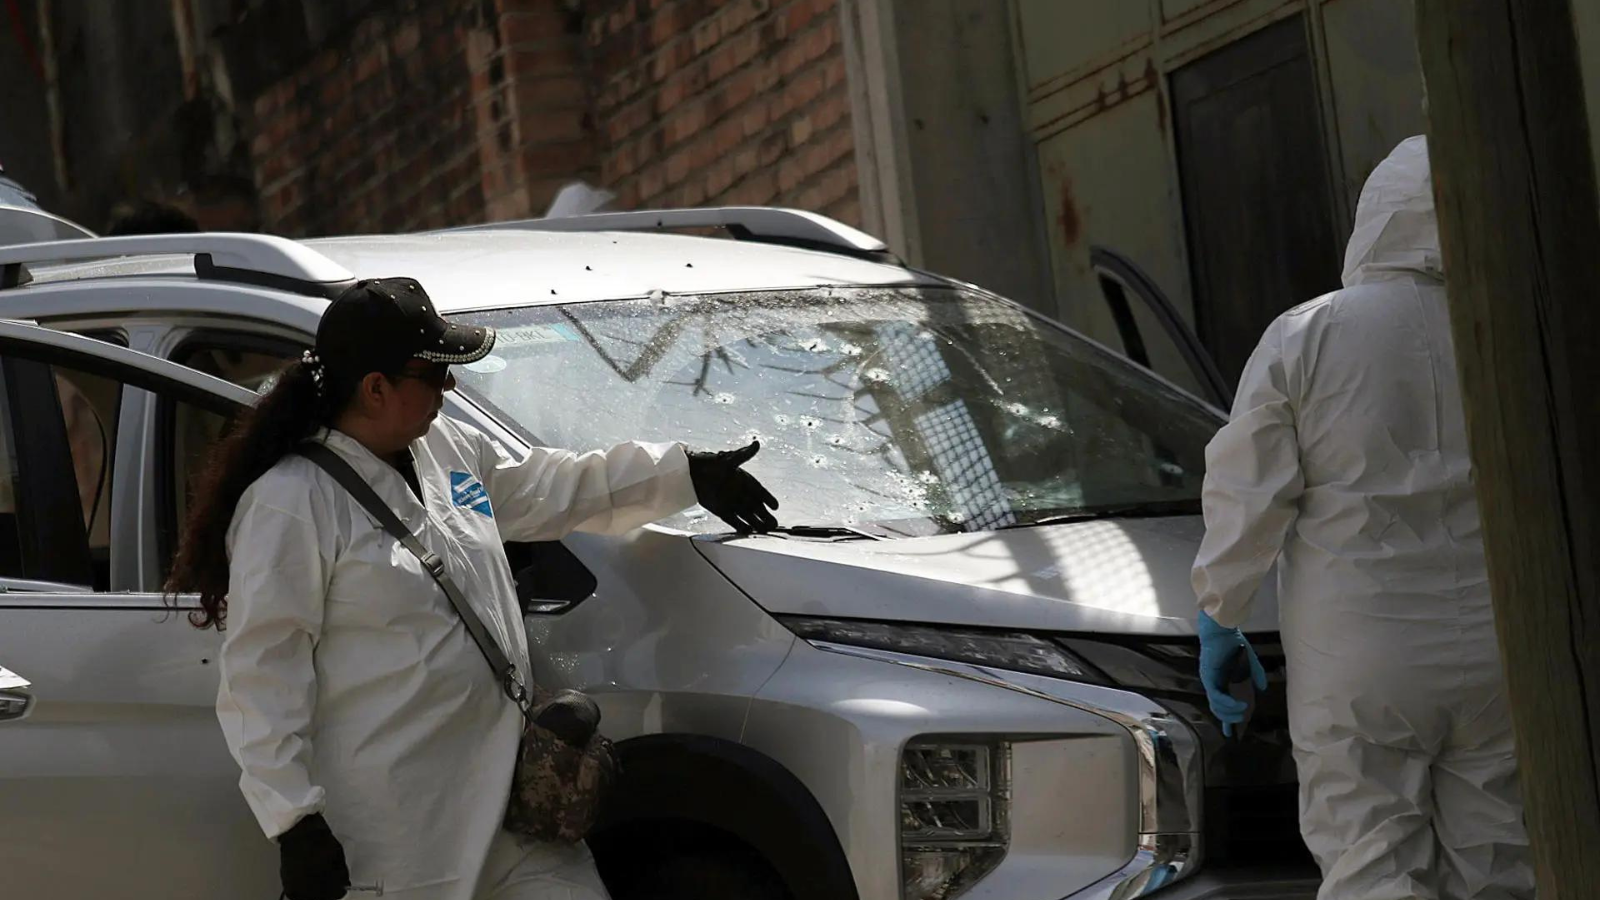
(964, 667)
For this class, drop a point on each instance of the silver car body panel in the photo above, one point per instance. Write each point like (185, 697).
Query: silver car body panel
(1163, 770)
(686, 660)
(121, 750)
(121, 754)
(1127, 576)
(841, 721)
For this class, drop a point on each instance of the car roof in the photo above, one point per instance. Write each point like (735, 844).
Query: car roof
(464, 270)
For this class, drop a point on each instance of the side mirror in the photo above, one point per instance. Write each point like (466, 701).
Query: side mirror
(550, 579)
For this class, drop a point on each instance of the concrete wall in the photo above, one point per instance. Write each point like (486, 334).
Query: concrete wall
(1374, 82)
(977, 201)
(942, 151)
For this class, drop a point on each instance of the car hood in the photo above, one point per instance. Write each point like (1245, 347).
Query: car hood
(1120, 576)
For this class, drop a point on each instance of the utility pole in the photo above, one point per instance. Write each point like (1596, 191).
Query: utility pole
(1511, 144)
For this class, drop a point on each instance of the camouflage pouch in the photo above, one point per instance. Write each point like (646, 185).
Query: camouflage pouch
(564, 769)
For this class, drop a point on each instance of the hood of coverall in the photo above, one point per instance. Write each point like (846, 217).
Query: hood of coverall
(1396, 233)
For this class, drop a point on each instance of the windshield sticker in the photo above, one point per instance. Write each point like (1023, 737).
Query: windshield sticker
(537, 334)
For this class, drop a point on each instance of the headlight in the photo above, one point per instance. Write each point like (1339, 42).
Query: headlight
(995, 649)
(953, 806)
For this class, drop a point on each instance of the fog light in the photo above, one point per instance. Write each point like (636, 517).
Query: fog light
(942, 874)
(943, 818)
(952, 817)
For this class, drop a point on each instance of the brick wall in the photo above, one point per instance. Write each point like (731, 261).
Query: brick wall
(426, 113)
(535, 106)
(374, 131)
(723, 102)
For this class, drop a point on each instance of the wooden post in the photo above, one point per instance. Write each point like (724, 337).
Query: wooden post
(1519, 218)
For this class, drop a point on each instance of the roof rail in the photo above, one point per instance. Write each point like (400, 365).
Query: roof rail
(259, 259)
(762, 224)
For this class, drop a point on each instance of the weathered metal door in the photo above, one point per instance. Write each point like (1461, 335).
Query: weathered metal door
(1258, 205)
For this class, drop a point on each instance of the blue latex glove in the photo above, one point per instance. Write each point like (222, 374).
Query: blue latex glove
(1218, 645)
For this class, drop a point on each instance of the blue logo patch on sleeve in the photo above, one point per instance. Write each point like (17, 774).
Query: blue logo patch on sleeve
(468, 493)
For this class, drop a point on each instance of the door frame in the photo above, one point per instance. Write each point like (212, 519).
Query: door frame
(24, 340)
(158, 527)
(26, 343)
(1110, 263)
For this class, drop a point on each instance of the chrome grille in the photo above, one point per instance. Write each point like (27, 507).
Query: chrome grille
(1251, 804)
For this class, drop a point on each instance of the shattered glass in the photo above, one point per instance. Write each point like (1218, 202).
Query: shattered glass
(916, 410)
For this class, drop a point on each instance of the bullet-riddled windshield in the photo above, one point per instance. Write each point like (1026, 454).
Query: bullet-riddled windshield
(909, 410)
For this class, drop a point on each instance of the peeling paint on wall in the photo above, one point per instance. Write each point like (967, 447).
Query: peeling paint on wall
(1067, 217)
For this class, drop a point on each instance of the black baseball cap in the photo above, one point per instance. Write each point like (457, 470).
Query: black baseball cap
(379, 323)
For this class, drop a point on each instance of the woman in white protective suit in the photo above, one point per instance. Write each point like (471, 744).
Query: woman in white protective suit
(1345, 462)
(376, 745)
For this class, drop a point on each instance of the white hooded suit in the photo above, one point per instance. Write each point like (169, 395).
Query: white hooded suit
(1345, 462)
(350, 686)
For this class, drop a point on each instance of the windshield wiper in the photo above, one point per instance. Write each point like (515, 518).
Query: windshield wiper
(826, 532)
(1154, 510)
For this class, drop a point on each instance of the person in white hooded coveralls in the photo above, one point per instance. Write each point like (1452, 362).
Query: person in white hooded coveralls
(375, 744)
(1345, 463)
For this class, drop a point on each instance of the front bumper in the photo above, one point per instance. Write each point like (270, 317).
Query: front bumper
(1253, 884)
(1107, 798)
(1167, 758)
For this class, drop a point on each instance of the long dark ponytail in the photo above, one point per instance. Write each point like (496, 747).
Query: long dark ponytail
(292, 411)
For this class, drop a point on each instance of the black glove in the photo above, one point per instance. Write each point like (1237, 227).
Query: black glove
(311, 861)
(730, 493)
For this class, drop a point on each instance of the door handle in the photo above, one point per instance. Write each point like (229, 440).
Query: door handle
(14, 705)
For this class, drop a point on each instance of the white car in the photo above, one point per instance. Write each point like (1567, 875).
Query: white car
(965, 667)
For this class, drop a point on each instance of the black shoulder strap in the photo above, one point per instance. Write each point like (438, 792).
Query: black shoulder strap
(504, 671)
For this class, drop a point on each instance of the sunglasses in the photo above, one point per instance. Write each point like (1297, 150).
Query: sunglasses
(435, 375)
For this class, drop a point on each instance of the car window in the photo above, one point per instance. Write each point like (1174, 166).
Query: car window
(60, 440)
(254, 366)
(90, 405)
(245, 360)
(11, 565)
(915, 410)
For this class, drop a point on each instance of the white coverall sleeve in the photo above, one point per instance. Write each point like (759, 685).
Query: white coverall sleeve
(555, 492)
(1252, 486)
(277, 582)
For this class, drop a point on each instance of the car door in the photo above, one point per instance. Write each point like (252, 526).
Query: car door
(1151, 332)
(115, 779)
